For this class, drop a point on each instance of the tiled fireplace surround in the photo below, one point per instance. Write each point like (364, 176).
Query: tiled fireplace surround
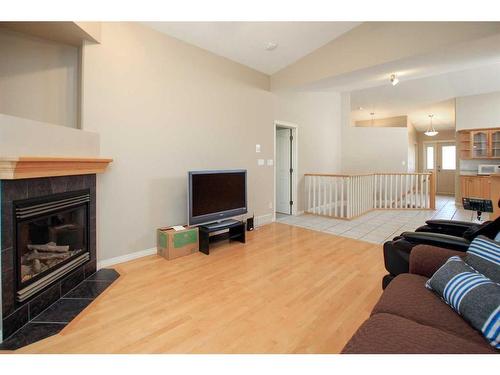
(14, 314)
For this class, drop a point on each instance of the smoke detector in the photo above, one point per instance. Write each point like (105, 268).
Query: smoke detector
(271, 46)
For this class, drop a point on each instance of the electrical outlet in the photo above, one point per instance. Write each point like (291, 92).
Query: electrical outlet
(270, 162)
(260, 162)
(257, 148)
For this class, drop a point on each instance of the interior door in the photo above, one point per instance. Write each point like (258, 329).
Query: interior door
(445, 167)
(283, 175)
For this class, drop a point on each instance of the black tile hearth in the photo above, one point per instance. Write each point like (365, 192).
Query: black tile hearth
(63, 311)
(106, 274)
(44, 300)
(15, 320)
(31, 333)
(72, 280)
(55, 317)
(88, 289)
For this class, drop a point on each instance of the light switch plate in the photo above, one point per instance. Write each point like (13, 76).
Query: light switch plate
(257, 148)
(270, 162)
(260, 162)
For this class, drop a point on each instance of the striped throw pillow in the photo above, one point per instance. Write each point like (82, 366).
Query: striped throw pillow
(484, 256)
(474, 296)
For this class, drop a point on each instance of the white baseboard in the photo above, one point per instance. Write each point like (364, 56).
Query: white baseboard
(264, 219)
(259, 221)
(125, 258)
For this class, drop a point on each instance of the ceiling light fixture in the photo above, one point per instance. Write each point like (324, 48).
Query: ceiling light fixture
(431, 132)
(271, 46)
(394, 80)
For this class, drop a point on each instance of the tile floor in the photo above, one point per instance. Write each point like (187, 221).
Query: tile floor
(381, 225)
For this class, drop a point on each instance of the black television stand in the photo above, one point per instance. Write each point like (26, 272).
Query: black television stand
(231, 230)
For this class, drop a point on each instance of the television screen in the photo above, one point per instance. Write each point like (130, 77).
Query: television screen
(214, 195)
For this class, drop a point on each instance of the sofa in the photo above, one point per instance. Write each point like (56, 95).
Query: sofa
(453, 235)
(410, 319)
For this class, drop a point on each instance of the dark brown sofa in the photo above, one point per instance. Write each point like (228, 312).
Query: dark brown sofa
(409, 319)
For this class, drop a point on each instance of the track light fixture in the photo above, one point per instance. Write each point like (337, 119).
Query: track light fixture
(394, 80)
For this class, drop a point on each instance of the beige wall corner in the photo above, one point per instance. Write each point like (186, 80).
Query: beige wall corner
(92, 29)
(317, 115)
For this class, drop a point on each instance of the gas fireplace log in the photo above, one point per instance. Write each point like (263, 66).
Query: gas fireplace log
(35, 255)
(50, 247)
(25, 271)
(37, 266)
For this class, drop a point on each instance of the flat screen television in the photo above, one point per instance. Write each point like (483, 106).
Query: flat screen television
(216, 195)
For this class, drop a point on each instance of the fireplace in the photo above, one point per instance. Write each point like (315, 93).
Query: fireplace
(47, 243)
(51, 237)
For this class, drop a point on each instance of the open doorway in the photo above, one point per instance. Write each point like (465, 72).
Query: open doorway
(285, 170)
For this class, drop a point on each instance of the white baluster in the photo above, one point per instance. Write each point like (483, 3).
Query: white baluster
(308, 184)
(422, 204)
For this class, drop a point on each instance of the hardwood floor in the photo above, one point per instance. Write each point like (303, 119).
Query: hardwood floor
(287, 290)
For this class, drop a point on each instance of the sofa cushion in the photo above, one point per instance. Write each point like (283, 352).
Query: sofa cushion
(471, 294)
(407, 297)
(484, 256)
(391, 334)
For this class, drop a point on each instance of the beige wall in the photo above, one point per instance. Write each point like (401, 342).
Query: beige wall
(162, 108)
(366, 150)
(317, 115)
(412, 148)
(478, 111)
(38, 79)
(23, 137)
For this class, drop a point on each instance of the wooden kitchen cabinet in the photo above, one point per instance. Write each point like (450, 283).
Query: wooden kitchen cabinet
(479, 144)
(495, 143)
(475, 187)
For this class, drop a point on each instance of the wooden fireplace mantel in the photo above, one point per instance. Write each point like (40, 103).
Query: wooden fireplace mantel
(12, 168)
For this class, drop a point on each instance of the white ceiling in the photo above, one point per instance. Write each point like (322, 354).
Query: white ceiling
(245, 42)
(418, 98)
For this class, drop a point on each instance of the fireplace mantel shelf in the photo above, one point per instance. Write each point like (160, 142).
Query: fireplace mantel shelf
(12, 168)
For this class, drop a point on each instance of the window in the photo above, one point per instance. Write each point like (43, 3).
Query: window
(448, 154)
(429, 157)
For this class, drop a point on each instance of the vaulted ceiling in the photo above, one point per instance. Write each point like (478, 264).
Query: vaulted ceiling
(245, 42)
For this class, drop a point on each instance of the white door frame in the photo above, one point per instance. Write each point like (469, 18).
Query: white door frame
(295, 164)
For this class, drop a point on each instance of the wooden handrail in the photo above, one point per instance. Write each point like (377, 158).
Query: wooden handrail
(367, 174)
(337, 175)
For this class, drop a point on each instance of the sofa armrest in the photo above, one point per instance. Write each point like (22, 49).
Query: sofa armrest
(451, 223)
(437, 239)
(426, 259)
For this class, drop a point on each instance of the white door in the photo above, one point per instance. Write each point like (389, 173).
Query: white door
(283, 165)
(445, 168)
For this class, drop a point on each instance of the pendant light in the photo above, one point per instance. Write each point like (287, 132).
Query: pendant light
(431, 132)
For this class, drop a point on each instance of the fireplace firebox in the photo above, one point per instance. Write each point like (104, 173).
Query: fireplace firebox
(52, 237)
